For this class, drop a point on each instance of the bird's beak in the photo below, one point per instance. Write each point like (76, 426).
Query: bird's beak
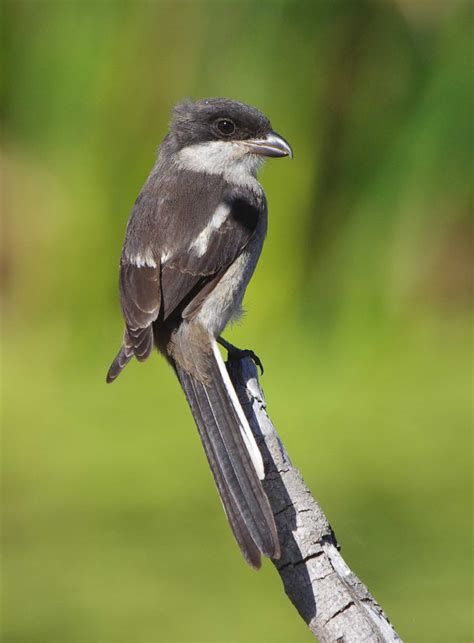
(272, 145)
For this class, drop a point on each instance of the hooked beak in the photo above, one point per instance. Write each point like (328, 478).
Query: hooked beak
(272, 145)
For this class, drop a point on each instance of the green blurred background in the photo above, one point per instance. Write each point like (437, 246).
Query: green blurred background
(360, 310)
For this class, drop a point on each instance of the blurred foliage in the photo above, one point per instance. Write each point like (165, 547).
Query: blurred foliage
(360, 310)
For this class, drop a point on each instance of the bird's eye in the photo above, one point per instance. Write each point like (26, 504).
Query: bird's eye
(225, 126)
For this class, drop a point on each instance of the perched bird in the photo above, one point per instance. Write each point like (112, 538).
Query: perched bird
(192, 242)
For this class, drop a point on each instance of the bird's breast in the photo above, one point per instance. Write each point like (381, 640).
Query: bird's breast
(224, 302)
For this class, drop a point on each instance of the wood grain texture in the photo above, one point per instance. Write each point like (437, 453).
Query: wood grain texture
(334, 603)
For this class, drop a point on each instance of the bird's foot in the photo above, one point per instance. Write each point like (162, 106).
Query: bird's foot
(240, 353)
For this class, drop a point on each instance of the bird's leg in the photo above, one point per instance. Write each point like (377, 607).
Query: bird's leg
(239, 353)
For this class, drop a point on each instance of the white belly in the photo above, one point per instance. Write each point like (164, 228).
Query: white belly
(225, 300)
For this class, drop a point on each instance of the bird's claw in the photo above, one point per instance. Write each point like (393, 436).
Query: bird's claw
(238, 353)
(255, 358)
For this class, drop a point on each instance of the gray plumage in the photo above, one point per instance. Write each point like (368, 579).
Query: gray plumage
(192, 242)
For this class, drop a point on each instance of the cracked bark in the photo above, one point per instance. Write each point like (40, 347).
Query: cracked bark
(334, 603)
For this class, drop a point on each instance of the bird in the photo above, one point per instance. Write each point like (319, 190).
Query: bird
(192, 242)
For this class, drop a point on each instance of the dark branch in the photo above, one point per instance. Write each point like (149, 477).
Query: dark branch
(327, 594)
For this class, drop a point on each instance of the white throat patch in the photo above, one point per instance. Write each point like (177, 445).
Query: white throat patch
(228, 158)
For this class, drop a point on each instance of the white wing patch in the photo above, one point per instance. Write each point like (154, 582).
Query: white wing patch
(165, 255)
(201, 242)
(144, 259)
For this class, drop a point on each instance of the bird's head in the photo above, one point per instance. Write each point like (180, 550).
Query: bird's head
(211, 134)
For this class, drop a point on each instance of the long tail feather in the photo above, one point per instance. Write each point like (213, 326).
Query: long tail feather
(231, 453)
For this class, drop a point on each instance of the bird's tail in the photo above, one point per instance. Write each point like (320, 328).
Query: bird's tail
(234, 458)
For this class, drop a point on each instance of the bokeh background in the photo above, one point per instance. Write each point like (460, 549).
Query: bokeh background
(360, 310)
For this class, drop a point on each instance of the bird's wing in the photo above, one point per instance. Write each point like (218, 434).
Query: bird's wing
(140, 296)
(194, 269)
(178, 245)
